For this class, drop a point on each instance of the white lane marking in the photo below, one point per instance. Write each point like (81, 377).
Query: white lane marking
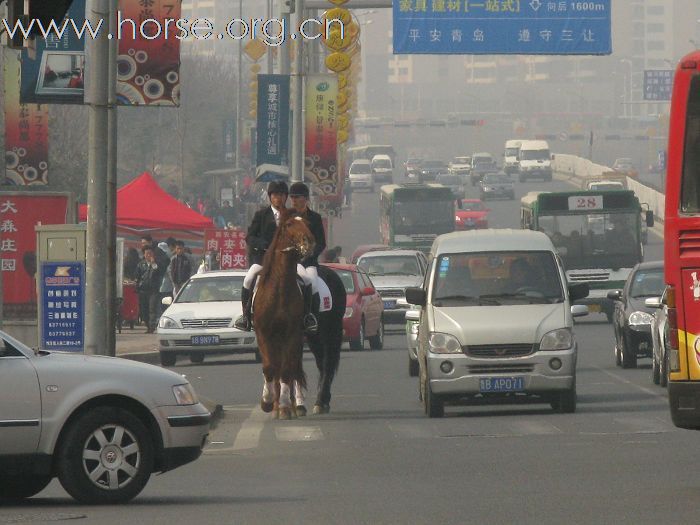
(249, 435)
(534, 428)
(645, 426)
(627, 382)
(291, 434)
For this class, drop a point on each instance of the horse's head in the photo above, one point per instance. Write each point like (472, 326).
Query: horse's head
(294, 234)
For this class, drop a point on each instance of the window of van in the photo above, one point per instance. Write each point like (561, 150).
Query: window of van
(381, 163)
(496, 278)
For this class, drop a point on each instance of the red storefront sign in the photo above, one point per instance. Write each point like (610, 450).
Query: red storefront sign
(19, 213)
(231, 247)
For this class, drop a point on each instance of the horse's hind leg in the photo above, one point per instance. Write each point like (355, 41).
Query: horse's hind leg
(268, 394)
(285, 401)
(299, 401)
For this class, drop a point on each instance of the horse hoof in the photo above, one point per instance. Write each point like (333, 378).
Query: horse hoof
(321, 409)
(266, 407)
(301, 411)
(284, 413)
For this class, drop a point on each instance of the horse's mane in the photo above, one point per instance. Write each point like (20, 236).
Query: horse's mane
(285, 214)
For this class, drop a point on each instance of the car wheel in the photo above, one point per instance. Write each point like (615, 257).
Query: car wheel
(618, 357)
(412, 367)
(168, 359)
(629, 355)
(359, 343)
(19, 487)
(197, 358)
(564, 402)
(655, 372)
(105, 457)
(434, 406)
(376, 342)
(663, 370)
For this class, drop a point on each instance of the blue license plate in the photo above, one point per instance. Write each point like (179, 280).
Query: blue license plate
(205, 340)
(502, 384)
(389, 305)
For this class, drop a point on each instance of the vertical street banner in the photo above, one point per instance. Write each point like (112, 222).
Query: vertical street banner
(19, 213)
(321, 155)
(62, 319)
(229, 140)
(230, 246)
(26, 132)
(273, 120)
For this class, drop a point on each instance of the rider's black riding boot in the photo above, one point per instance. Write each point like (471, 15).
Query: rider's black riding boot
(311, 310)
(243, 322)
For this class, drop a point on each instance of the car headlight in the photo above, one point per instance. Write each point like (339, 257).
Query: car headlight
(640, 318)
(167, 322)
(561, 339)
(185, 394)
(444, 344)
(348, 312)
(413, 328)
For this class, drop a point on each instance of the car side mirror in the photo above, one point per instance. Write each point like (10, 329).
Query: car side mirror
(416, 296)
(653, 302)
(650, 218)
(413, 315)
(166, 301)
(368, 291)
(578, 291)
(615, 295)
(579, 310)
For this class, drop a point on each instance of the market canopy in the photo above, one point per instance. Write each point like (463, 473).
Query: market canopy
(143, 204)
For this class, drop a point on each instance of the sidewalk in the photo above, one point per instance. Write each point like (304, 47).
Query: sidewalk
(137, 345)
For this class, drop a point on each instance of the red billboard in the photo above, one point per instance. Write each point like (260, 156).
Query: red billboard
(231, 247)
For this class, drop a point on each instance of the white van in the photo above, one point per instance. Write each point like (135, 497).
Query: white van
(534, 160)
(510, 163)
(496, 321)
(382, 168)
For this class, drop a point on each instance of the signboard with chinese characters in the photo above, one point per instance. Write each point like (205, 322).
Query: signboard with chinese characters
(530, 27)
(658, 84)
(273, 120)
(19, 213)
(229, 140)
(62, 306)
(321, 161)
(26, 132)
(230, 246)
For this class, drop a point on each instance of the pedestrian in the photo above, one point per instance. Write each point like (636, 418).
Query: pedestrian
(180, 267)
(148, 285)
(166, 286)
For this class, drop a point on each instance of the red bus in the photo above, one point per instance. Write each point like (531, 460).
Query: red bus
(682, 245)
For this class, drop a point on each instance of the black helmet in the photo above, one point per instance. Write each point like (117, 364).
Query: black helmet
(277, 186)
(299, 189)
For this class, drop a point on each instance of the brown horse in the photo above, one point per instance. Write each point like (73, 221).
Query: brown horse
(278, 309)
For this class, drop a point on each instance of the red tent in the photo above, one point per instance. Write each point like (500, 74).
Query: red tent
(143, 205)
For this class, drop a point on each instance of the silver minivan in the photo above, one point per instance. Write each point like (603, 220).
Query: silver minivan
(497, 321)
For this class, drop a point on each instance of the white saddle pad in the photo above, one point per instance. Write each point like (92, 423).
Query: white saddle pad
(323, 291)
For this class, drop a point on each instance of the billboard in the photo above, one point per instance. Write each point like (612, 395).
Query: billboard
(230, 246)
(62, 295)
(273, 120)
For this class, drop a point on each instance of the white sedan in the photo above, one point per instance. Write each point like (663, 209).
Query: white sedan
(199, 321)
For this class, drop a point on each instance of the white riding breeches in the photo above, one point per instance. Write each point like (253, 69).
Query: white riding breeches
(308, 275)
(249, 278)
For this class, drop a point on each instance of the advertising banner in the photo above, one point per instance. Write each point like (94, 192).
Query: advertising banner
(19, 213)
(26, 132)
(321, 157)
(230, 246)
(62, 306)
(273, 120)
(229, 140)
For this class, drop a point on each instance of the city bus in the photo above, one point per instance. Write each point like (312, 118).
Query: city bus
(412, 215)
(682, 245)
(598, 235)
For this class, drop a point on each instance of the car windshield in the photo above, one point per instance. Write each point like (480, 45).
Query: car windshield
(361, 168)
(647, 283)
(346, 277)
(413, 161)
(535, 154)
(471, 206)
(390, 265)
(483, 160)
(605, 186)
(449, 180)
(211, 289)
(497, 179)
(433, 164)
(512, 152)
(461, 160)
(381, 163)
(497, 278)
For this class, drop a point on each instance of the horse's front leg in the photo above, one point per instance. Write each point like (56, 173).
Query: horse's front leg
(285, 401)
(268, 394)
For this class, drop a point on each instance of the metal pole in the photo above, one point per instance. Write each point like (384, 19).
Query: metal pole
(270, 62)
(297, 165)
(285, 69)
(112, 271)
(238, 93)
(96, 96)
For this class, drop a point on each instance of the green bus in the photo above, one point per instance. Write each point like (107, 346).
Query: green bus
(413, 215)
(598, 235)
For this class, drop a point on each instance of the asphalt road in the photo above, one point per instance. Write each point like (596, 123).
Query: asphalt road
(377, 459)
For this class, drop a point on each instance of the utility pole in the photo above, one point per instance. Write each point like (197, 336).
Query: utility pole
(97, 99)
(112, 270)
(285, 66)
(270, 57)
(297, 157)
(239, 121)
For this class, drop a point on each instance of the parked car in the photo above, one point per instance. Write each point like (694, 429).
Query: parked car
(360, 175)
(364, 248)
(497, 321)
(101, 425)
(482, 163)
(199, 321)
(632, 318)
(430, 169)
(460, 166)
(364, 311)
(412, 167)
(471, 214)
(412, 322)
(392, 272)
(496, 185)
(660, 339)
(454, 182)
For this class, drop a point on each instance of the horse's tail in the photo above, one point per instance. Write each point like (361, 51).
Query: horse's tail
(298, 373)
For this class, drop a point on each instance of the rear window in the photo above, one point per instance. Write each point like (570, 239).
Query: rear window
(690, 183)
(361, 168)
(390, 265)
(348, 282)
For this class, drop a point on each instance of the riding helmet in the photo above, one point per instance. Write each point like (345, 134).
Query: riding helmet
(299, 189)
(277, 186)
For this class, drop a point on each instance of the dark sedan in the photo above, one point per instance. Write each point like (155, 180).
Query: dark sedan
(632, 318)
(496, 185)
(430, 169)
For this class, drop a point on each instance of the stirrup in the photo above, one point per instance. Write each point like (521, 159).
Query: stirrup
(310, 324)
(242, 323)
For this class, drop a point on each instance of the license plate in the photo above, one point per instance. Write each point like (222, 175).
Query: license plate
(594, 308)
(205, 340)
(389, 305)
(502, 384)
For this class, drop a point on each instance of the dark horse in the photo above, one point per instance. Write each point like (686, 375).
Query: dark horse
(278, 310)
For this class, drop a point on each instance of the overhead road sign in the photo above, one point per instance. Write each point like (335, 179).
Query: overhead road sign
(658, 84)
(525, 27)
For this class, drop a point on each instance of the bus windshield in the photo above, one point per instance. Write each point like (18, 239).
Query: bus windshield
(595, 240)
(422, 217)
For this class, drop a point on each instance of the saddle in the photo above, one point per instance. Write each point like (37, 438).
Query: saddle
(323, 291)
